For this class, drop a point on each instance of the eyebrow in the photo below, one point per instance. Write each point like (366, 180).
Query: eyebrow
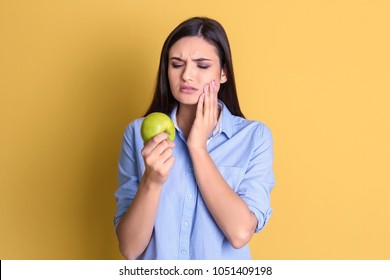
(196, 59)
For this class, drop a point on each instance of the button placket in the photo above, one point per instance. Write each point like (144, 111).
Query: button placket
(187, 216)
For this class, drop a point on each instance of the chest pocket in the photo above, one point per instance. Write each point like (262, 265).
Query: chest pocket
(232, 175)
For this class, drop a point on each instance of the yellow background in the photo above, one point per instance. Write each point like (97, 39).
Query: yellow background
(73, 74)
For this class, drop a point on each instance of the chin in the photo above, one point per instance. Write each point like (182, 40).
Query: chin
(187, 99)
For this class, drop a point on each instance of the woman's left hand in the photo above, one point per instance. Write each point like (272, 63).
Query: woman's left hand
(206, 117)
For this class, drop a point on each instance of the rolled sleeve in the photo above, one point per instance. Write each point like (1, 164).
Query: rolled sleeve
(259, 179)
(128, 179)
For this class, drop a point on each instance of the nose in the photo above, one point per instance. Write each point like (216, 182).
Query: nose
(187, 74)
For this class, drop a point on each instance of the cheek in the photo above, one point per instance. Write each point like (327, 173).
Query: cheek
(218, 87)
(215, 76)
(170, 75)
(172, 78)
(206, 77)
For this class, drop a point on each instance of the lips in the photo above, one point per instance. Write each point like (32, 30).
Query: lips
(188, 89)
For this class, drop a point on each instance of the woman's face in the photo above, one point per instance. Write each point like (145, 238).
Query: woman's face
(193, 63)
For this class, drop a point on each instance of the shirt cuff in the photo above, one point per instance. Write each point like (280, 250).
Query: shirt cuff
(262, 218)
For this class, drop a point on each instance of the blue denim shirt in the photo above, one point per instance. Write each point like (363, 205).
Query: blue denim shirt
(184, 228)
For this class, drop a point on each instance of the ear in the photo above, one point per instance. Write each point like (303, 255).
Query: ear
(223, 76)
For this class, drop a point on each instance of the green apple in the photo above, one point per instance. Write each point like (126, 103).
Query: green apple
(156, 123)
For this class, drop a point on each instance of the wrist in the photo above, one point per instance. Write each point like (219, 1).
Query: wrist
(149, 184)
(198, 151)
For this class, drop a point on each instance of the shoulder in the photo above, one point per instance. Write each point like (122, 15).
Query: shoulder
(233, 125)
(134, 124)
(132, 130)
(256, 128)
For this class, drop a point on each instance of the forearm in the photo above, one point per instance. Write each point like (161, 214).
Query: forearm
(136, 226)
(229, 211)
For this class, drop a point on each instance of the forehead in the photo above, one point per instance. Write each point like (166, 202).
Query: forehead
(193, 47)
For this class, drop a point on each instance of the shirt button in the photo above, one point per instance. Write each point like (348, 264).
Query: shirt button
(183, 252)
(186, 224)
(189, 196)
(191, 169)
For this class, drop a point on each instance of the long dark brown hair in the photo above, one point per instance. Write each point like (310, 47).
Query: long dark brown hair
(213, 32)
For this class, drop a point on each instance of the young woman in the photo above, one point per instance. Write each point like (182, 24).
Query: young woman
(203, 195)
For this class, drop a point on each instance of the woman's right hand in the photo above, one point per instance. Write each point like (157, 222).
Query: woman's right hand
(158, 158)
(136, 226)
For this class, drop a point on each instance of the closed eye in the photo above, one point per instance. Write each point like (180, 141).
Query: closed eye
(177, 62)
(174, 65)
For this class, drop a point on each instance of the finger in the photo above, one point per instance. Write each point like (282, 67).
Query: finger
(206, 106)
(168, 164)
(153, 143)
(164, 149)
(212, 101)
(159, 154)
(171, 143)
(199, 108)
(214, 97)
(163, 160)
(161, 148)
(166, 154)
(160, 137)
(209, 106)
(214, 92)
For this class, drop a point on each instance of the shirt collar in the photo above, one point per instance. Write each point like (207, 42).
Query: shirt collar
(223, 124)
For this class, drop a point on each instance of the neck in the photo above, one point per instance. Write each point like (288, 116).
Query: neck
(185, 117)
